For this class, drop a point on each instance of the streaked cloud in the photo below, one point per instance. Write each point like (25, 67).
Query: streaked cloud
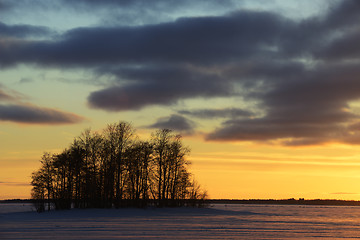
(217, 113)
(8, 95)
(21, 184)
(22, 30)
(13, 109)
(35, 115)
(342, 193)
(4, 96)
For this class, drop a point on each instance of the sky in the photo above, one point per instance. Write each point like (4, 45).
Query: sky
(266, 93)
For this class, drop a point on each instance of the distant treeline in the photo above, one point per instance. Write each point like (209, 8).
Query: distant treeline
(291, 201)
(325, 202)
(114, 168)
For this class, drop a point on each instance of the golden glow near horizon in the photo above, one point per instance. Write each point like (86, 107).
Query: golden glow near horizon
(262, 172)
(236, 171)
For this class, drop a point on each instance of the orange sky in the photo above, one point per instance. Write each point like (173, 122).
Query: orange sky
(233, 170)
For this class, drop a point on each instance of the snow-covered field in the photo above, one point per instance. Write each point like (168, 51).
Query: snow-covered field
(19, 221)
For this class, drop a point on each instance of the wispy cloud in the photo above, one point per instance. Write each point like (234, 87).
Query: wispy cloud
(217, 113)
(5, 97)
(36, 115)
(344, 193)
(19, 184)
(13, 109)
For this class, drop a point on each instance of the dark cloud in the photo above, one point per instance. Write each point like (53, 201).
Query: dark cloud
(217, 113)
(4, 5)
(140, 6)
(155, 3)
(344, 48)
(302, 75)
(311, 108)
(312, 37)
(201, 40)
(267, 129)
(344, 15)
(22, 30)
(175, 122)
(157, 86)
(114, 12)
(143, 11)
(30, 114)
(342, 33)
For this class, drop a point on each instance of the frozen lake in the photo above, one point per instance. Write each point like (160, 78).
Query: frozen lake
(233, 221)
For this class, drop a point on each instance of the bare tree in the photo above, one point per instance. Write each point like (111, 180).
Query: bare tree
(138, 165)
(113, 168)
(170, 165)
(118, 138)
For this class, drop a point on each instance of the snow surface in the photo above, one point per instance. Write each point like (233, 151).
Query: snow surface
(233, 221)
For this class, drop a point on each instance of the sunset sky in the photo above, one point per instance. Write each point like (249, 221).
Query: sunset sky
(265, 92)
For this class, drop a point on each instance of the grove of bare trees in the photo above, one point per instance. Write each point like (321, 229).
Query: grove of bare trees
(115, 168)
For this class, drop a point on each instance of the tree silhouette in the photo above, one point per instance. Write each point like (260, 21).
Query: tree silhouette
(115, 169)
(170, 166)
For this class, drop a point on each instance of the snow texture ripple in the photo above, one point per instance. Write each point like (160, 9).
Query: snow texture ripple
(233, 221)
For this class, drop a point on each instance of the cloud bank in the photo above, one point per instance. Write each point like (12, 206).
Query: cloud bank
(303, 74)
